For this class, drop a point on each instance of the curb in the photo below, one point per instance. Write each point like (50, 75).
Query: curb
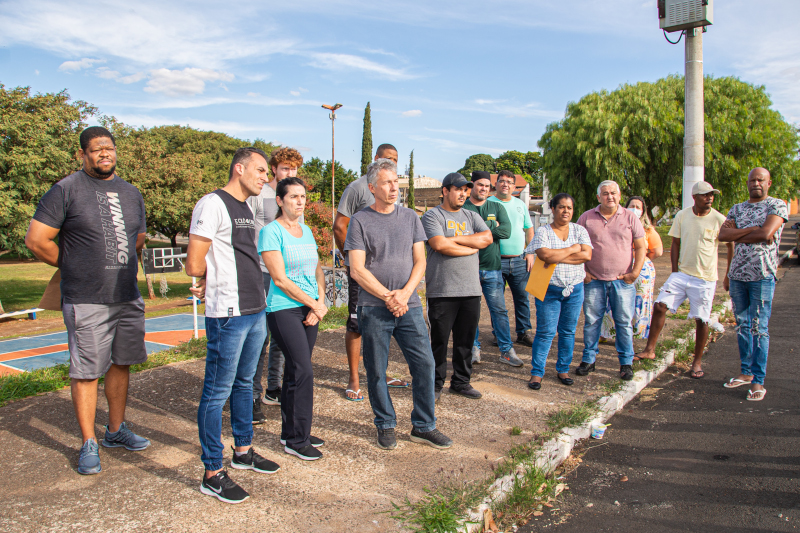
(556, 450)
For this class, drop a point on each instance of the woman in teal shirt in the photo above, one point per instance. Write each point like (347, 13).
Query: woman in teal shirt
(295, 305)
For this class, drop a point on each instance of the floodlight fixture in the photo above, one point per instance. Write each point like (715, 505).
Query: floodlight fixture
(677, 15)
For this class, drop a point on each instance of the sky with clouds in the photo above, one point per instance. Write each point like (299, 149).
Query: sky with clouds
(446, 78)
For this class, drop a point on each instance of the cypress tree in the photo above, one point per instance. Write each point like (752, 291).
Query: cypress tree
(366, 141)
(411, 182)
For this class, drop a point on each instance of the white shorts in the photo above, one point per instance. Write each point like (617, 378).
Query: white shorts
(680, 286)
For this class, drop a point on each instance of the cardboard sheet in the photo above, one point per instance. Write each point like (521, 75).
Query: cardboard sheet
(539, 279)
(51, 299)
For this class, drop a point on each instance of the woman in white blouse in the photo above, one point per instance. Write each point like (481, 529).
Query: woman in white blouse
(568, 246)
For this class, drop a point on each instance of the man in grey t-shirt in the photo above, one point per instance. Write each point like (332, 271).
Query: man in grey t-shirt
(452, 283)
(356, 196)
(387, 259)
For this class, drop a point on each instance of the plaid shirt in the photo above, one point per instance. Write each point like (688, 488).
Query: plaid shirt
(565, 275)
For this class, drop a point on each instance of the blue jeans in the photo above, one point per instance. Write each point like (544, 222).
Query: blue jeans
(234, 344)
(494, 293)
(752, 306)
(557, 313)
(515, 273)
(378, 325)
(622, 297)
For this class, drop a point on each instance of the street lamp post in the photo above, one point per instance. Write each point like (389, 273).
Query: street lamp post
(332, 116)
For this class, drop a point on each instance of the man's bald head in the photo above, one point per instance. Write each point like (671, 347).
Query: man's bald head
(758, 184)
(760, 170)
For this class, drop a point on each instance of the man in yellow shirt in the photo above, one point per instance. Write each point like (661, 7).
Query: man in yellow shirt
(694, 232)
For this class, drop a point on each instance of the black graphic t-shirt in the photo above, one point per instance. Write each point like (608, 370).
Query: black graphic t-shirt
(99, 221)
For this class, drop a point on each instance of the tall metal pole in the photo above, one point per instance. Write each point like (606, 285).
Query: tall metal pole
(693, 140)
(333, 196)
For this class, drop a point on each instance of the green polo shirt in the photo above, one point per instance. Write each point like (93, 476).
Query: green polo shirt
(496, 217)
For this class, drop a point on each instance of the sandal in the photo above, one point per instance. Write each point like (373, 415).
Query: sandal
(697, 374)
(756, 395)
(638, 357)
(396, 383)
(358, 397)
(735, 382)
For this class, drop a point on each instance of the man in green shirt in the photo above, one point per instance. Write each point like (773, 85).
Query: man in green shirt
(491, 274)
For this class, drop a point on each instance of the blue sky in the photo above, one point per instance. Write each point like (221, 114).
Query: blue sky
(445, 78)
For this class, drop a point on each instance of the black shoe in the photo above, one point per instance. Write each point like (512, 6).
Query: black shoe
(258, 414)
(525, 338)
(433, 438)
(584, 369)
(467, 391)
(626, 372)
(387, 439)
(252, 461)
(535, 385)
(316, 442)
(566, 381)
(223, 488)
(306, 453)
(272, 397)
(437, 394)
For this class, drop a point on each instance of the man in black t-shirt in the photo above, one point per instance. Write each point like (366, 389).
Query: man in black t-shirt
(99, 220)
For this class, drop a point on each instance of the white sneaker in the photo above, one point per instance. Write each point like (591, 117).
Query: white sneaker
(476, 355)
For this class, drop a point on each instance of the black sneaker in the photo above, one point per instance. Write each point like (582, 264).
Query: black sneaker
(387, 439)
(223, 488)
(468, 392)
(258, 414)
(584, 369)
(626, 372)
(525, 338)
(252, 461)
(272, 397)
(316, 442)
(437, 394)
(306, 453)
(433, 438)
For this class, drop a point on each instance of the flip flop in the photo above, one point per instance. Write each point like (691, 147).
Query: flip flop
(640, 358)
(396, 383)
(756, 396)
(697, 374)
(359, 397)
(735, 382)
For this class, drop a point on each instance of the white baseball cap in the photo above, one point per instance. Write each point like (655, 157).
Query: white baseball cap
(704, 187)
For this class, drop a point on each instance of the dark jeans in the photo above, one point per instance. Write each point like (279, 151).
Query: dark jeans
(296, 340)
(461, 316)
(231, 358)
(515, 273)
(274, 361)
(378, 325)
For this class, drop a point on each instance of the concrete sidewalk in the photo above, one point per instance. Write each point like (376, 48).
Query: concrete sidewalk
(350, 488)
(696, 456)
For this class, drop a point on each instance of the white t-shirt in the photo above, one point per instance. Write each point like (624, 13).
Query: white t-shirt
(234, 284)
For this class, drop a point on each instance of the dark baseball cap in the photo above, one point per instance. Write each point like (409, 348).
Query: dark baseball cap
(481, 175)
(454, 179)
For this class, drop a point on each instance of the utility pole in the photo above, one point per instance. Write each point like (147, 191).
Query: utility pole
(694, 138)
(332, 116)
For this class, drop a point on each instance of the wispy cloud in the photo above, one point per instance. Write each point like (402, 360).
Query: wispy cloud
(412, 113)
(226, 126)
(71, 66)
(450, 145)
(349, 62)
(186, 82)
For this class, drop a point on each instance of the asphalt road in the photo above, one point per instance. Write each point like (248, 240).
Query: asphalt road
(697, 456)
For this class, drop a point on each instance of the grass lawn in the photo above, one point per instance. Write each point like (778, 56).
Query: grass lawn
(666, 240)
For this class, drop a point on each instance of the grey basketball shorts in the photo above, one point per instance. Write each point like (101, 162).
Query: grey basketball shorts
(102, 334)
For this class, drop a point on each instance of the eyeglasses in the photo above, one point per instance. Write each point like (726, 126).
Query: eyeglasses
(504, 182)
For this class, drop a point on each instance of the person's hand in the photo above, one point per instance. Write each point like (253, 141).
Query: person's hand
(396, 300)
(576, 248)
(311, 319)
(726, 283)
(588, 278)
(629, 278)
(320, 311)
(730, 224)
(198, 288)
(400, 311)
(529, 259)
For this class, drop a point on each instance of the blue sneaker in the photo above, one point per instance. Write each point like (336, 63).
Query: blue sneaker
(89, 460)
(126, 438)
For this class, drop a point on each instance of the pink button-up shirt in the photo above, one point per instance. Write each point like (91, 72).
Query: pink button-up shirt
(612, 240)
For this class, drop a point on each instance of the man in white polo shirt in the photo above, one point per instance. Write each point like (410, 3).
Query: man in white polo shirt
(695, 241)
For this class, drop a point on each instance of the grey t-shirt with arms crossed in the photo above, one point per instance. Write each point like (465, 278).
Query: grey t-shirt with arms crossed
(445, 275)
(356, 196)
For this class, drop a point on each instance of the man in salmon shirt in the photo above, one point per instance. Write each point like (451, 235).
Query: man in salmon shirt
(610, 275)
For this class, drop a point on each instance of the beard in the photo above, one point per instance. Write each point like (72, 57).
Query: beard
(103, 174)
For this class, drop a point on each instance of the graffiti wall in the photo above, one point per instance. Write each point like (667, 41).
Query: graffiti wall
(335, 286)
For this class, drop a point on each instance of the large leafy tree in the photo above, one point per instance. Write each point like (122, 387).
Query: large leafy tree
(634, 135)
(366, 141)
(527, 164)
(478, 162)
(317, 174)
(38, 142)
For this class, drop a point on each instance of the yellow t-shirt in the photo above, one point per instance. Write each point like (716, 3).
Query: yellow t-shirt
(699, 242)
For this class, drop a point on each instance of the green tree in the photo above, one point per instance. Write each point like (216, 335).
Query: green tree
(318, 176)
(634, 135)
(477, 162)
(526, 164)
(410, 202)
(366, 141)
(38, 142)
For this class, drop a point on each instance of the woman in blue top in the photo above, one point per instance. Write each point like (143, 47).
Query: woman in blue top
(569, 247)
(295, 305)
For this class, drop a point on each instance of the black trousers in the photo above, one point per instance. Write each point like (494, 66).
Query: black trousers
(461, 316)
(296, 341)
